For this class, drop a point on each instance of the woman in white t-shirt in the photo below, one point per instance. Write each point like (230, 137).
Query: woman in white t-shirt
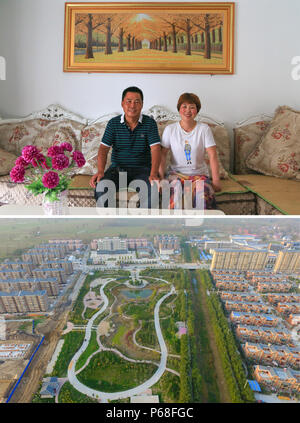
(187, 141)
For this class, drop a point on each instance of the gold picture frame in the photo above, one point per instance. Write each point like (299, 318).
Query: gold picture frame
(190, 38)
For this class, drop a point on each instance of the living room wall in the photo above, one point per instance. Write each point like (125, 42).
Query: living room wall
(266, 39)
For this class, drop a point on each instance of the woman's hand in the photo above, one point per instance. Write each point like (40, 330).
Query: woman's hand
(216, 184)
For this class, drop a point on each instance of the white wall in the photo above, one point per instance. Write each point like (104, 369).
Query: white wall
(31, 41)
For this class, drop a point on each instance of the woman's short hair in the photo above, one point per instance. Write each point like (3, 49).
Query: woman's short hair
(189, 98)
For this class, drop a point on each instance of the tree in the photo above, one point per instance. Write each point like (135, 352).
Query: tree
(206, 23)
(86, 24)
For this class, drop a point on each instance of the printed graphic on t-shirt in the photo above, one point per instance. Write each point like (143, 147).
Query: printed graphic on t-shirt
(187, 151)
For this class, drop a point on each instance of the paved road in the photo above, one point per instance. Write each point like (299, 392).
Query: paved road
(105, 396)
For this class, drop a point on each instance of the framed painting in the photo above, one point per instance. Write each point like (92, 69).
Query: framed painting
(149, 37)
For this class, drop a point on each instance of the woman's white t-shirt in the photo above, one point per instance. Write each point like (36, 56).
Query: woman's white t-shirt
(188, 148)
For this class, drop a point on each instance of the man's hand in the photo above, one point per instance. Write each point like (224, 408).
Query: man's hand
(154, 179)
(96, 178)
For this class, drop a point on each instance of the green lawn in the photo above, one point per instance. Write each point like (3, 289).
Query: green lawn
(119, 335)
(110, 373)
(73, 341)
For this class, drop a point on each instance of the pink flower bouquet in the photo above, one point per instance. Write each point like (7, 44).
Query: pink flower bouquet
(50, 172)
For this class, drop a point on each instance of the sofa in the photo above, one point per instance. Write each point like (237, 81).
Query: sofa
(254, 181)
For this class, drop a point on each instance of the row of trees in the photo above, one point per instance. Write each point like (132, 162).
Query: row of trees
(230, 357)
(205, 387)
(160, 31)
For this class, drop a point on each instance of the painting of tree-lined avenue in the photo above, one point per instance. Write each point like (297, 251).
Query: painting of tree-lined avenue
(163, 40)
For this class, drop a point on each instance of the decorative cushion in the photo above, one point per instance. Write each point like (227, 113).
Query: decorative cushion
(14, 135)
(222, 140)
(246, 138)
(223, 173)
(91, 137)
(7, 161)
(278, 152)
(40, 132)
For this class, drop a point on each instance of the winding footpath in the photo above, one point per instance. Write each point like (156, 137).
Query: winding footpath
(105, 396)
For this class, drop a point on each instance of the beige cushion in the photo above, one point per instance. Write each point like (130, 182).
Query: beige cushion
(14, 135)
(278, 152)
(222, 140)
(7, 162)
(91, 137)
(246, 138)
(42, 133)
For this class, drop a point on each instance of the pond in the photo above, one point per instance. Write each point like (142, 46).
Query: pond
(136, 293)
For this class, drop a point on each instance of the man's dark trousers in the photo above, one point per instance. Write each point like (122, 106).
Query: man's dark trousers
(133, 173)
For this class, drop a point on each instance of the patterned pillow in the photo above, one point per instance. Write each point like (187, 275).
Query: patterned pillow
(40, 132)
(222, 140)
(7, 162)
(278, 152)
(14, 135)
(246, 138)
(91, 137)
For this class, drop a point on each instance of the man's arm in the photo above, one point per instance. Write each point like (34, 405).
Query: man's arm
(162, 166)
(213, 162)
(155, 161)
(101, 161)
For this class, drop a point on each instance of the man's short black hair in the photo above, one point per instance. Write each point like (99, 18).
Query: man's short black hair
(132, 90)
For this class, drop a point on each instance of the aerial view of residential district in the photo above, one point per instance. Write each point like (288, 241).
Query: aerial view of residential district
(150, 310)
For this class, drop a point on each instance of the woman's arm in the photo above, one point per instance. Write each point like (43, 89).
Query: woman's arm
(155, 160)
(214, 166)
(163, 160)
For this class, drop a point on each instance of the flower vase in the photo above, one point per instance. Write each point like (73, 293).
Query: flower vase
(58, 207)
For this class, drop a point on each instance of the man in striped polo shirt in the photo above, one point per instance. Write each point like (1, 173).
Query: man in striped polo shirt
(135, 144)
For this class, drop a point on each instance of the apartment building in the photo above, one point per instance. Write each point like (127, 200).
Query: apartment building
(13, 274)
(134, 243)
(166, 244)
(273, 287)
(232, 286)
(224, 272)
(239, 259)
(65, 264)
(281, 355)
(288, 308)
(229, 277)
(294, 319)
(283, 379)
(17, 264)
(264, 334)
(283, 298)
(111, 244)
(70, 244)
(23, 301)
(256, 279)
(48, 272)
(251, 307)
(254, 319)
(49, 285)
(287, 261)
(239, 296)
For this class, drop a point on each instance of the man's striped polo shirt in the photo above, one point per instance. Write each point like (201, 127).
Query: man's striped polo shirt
(131, 148)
